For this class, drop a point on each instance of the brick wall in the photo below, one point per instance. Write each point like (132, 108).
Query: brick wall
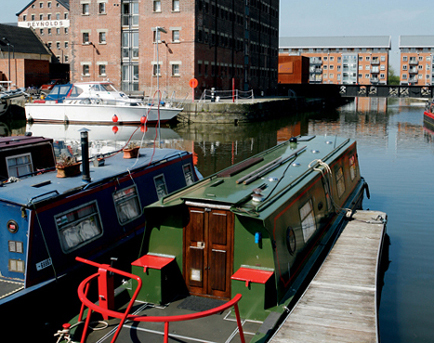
(212, 45)
(25, 73)
(47, 18)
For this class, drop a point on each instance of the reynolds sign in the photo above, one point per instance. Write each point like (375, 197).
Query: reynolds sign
(44, 23)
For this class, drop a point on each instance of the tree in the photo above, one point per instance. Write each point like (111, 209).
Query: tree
(392, 79)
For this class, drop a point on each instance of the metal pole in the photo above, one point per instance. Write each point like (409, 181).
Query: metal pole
(158, 89)
(158, 29)
(9, 65)
(85, 155)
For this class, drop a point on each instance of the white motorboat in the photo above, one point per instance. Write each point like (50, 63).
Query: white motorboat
(95, 102)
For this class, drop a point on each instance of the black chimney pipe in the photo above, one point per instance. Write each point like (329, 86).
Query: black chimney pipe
(85, 155)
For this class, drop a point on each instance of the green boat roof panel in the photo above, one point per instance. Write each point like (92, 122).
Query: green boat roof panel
(263, 177)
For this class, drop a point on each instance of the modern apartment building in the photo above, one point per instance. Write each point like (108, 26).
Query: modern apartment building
(50, 21)
(416, 56)
(359, 60)
(137, 44)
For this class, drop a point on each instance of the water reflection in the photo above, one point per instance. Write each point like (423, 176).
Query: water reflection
(396, 157)
(104, 139)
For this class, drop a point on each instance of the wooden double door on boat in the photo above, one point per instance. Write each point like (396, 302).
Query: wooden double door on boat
(208, 252)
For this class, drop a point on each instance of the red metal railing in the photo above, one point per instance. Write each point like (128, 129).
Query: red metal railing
(106, 291)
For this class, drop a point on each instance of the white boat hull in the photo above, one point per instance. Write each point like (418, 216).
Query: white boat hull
(97, 113)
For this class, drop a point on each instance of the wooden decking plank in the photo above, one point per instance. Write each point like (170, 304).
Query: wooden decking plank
(339, 305)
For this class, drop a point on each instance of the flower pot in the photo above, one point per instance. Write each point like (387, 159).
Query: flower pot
(131, 153)
(69, 170)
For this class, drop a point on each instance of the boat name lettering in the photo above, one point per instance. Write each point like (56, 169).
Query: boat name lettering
(43, 264)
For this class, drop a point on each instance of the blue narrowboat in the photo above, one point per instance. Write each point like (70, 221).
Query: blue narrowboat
(47, 221)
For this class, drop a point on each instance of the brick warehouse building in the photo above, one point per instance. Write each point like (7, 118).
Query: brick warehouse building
(216, 42)
(50, 21)
(342, 60)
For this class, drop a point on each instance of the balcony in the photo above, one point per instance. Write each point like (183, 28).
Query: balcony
(375, 80)
(375, 62)
(314, 79)
(413, 61)
(375, 70)
(315, 62)
(412, 70)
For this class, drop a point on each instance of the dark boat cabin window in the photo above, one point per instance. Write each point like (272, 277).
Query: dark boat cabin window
(340, 182)
(307, 217)
(353, 169)
(78, 226)
(127, 204)
(326, 185)
(19, 165)
(160, 186)
(188, 174)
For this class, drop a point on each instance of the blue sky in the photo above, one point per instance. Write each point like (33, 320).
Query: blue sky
(331, 18)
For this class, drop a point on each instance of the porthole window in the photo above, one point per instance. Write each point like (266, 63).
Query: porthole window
(290, 240)
(12, 226)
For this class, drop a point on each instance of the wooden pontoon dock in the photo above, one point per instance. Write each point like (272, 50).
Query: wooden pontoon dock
(340, 304)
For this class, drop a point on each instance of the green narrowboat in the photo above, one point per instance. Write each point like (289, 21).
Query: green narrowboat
(258, 228)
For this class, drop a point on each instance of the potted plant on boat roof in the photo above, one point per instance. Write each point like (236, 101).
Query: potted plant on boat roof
(131, 150)
(67, 166)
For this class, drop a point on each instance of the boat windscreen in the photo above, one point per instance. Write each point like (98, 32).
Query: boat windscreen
(58, 92)
(107, 87)
(76, 91)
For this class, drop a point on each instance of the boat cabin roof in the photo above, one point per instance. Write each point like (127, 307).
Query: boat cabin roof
(254, 184)
(18, 141)
(47, 185)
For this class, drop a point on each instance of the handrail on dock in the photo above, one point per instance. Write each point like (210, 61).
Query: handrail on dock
(83, 289)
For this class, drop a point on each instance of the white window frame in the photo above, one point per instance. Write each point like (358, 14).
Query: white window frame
(127, 204)
(102, 34)
(160, 186)
(156, 5)
(83, 66)
(28, 165)
(175, 6)
(174, 67)
(307, 220)
(63, 223)
(85, 7)
(102, 7)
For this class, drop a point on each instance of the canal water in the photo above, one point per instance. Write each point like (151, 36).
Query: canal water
(396, 154)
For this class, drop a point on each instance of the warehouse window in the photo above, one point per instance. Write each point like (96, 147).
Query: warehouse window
(85, 9)
(157, 6)
(86, 70)
(175, 5)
